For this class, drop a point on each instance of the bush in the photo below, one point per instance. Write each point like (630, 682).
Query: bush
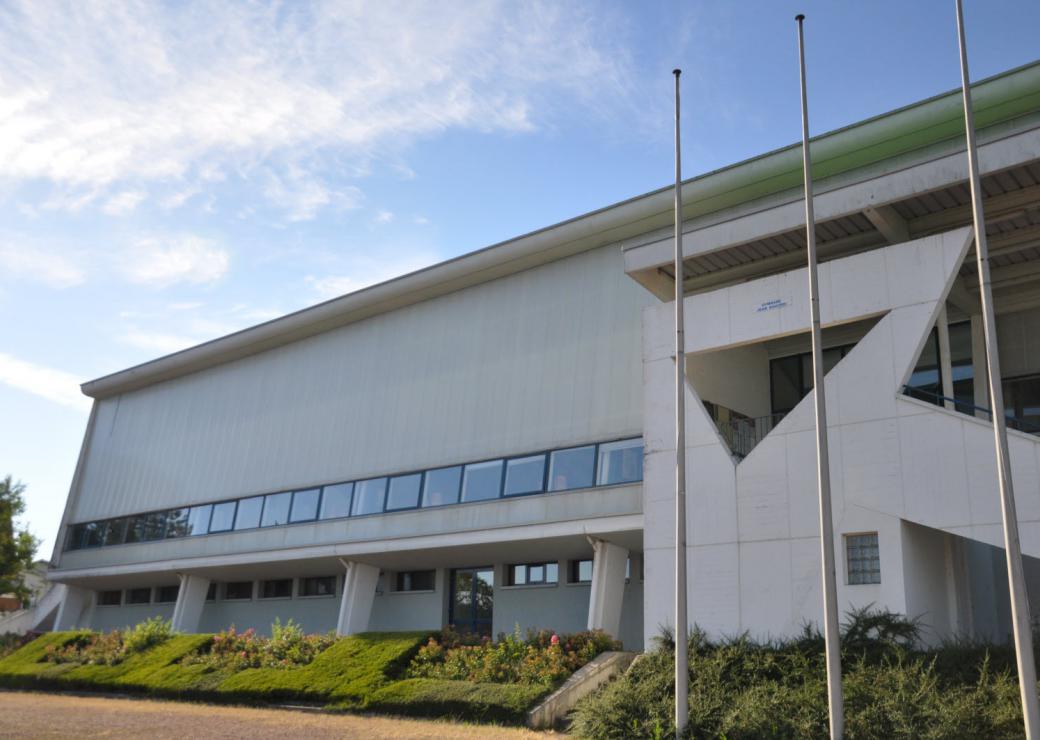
(740, 688)
(11, 641)
(110, 648)
(287, 647)
(541, 659)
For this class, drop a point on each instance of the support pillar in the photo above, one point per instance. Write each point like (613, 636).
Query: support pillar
(191, 598)
(73, 604)
(608, 587)
(359, 591)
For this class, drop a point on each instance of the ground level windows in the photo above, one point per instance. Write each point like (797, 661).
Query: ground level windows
(110, 598)
(238, 590)
(166, 594)
(862, 558)
(318, 586)
(280, 588)
(525, 574)
(580, 571)
(414, 580)
(139, 595)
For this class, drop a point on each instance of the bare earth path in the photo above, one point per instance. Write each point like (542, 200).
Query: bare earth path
(39, 715)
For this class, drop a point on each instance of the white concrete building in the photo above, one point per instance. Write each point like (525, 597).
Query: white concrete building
(486, 442)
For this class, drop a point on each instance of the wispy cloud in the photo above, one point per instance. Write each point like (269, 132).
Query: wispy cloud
(54, 385)
(38, 264)
(364, 272)
(108, 101)
(163, 261)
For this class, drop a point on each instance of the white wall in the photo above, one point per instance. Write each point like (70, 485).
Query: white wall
(542, 358)
(736, 378)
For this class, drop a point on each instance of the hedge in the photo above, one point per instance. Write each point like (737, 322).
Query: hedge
(357, 673)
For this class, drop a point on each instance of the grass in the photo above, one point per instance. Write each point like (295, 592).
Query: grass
(358, 673)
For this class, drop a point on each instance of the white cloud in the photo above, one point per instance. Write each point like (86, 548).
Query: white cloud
(163, 261)
(39, 265)
(366, 272)
(123, 203)
(102, 100)
(384, 217)
(54, 385)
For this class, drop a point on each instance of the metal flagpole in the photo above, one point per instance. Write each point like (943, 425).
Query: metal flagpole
(830, 589)
(1012, 547)
(682, 675)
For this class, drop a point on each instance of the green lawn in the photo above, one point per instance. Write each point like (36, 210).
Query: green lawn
(359, 673)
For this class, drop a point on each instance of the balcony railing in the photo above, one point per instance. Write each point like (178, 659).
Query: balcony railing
(964, 407)
(742, 433)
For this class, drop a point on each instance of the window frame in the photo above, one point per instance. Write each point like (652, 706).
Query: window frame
(261, 596)
(528, 583)
(317, 504)
(252, 591)
(157, 598)
(398, 580)
(574, 571)
(100, 594)
(127, 601)
(305, 579)
(847, 538)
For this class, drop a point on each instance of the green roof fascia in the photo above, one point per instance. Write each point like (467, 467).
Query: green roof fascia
(996, 100)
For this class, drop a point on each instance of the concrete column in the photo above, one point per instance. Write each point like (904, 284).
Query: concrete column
(945, 364)
(359, 591)
(608, 587)
(191, 598)
(70, 614)
(978, 364)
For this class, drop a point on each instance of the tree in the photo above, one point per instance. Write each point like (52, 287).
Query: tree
(17, 547)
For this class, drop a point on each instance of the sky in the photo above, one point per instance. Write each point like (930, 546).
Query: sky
(174, 171)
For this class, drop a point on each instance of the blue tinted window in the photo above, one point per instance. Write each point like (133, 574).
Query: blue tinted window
(404, 492)
(116, 533)
(94, 534)
(249, 510)
(442, 486)
(177, 523)
(153, 526)
(223, 517)
(368, 496)
(305, 505)
(620, 462)
(335, 500)
(198, 519)
(573, 468)
(276, 509)
(482, 481)
(525, 475)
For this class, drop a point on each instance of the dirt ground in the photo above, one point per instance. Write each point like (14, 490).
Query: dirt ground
(39, 715)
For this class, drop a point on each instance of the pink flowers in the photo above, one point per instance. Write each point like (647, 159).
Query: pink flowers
(555, 640)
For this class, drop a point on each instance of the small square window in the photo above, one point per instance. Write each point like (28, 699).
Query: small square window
(415, 580)
(280, 588)
(116, 533)
(442, 486)
(238, 590)
(177, 523)
(94, 534)
(276, 509)
(573, 468)
(248, 516)
(139, 596)
(305, 505)
(110, 598)
(198, 519)
(318, 586)
(223, 517)
(862, 558)
(404, 492)
(533, 573)
(482, 481)
(166, 594)
(620, 462)
(335, 500)
(525, 475)
(581, 571)
(368, 496)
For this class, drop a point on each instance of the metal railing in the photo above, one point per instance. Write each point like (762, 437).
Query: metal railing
(742, 433)
(964, 407)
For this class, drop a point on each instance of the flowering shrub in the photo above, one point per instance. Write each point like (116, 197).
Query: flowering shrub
(111, 648)
(287, 647)
(541, 658)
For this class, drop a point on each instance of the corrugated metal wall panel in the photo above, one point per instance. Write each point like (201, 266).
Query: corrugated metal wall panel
(544, 358)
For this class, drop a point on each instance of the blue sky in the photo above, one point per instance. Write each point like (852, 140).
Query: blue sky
(171, 172)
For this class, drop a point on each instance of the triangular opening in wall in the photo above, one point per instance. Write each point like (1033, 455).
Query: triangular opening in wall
(748, 390)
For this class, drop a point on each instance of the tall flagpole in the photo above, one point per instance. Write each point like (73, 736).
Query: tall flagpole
(1013, 549)
(835, 702)
(682, 675)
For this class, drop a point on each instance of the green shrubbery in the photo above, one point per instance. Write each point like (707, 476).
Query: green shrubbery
(744, 689)
(287, 647)
(110, 648)
(11, 641)
(541, 659)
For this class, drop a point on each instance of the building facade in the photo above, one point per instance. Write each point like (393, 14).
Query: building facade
(490, 442)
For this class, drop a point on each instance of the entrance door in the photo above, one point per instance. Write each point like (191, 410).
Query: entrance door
(472, 599)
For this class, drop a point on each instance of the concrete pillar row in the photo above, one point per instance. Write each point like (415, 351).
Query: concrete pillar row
(191, 598)
(74, 603)
(608, 586)
(359, 592)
